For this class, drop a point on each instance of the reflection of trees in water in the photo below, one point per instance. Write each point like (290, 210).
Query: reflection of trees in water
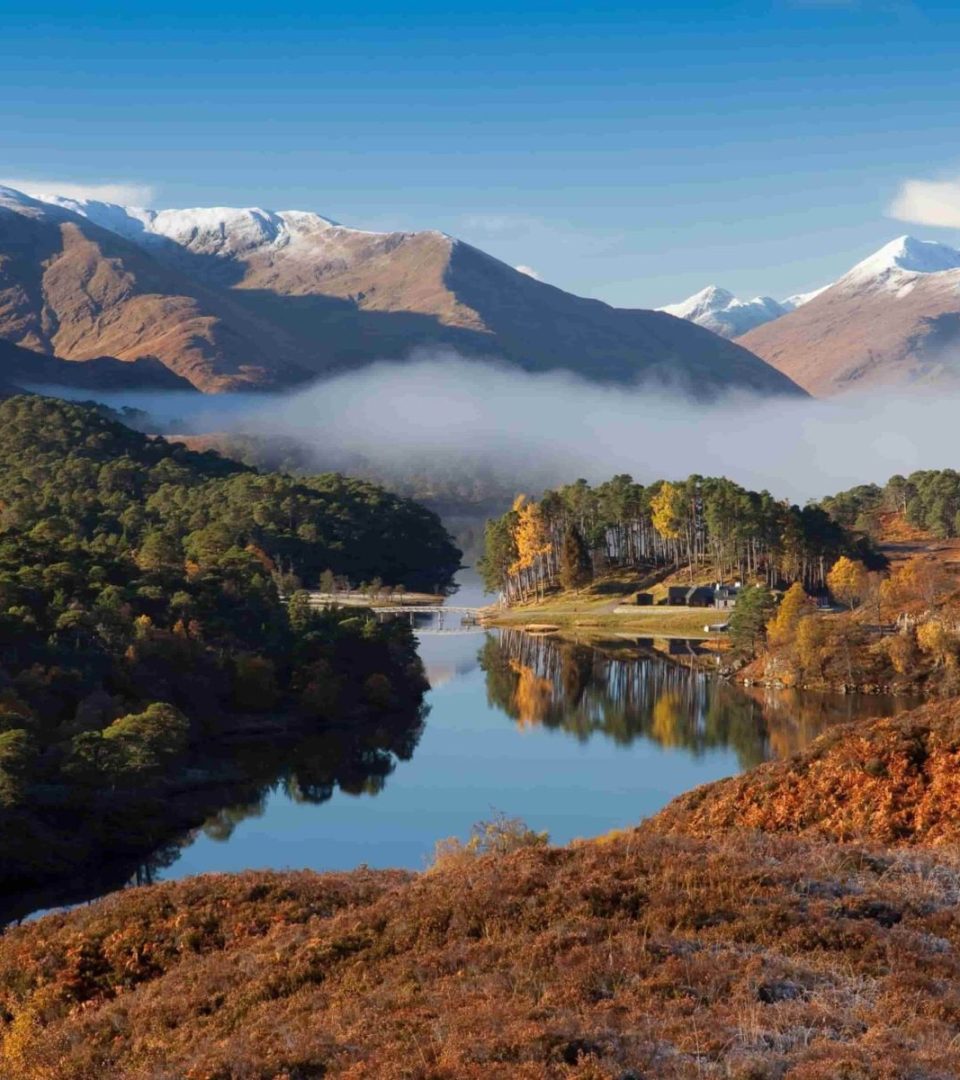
(586, 690)
(356, 758)
(583, 690)
(795, 718)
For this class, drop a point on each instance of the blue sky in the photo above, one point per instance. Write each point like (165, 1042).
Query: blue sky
(630, 152)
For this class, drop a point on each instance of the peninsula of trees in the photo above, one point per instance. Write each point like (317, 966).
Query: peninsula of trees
(149, 601)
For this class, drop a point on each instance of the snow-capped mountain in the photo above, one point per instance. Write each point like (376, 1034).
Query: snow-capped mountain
(898, 262)
(892, 319)
(720, 311)
(231, 298)
(214, 230)
(723, 313)
(791, 303)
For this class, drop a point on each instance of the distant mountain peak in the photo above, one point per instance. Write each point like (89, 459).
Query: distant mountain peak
(904, 255)
(712, 298)
(720, 311)
(891, 320)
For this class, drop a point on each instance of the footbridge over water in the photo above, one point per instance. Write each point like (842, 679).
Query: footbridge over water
(444, 618)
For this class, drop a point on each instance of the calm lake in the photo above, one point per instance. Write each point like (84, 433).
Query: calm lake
(575, 740)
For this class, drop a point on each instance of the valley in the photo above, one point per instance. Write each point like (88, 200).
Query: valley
(326, 789)
(480, 541)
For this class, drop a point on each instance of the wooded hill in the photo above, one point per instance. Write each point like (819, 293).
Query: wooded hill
(929, 499)
(141, 608)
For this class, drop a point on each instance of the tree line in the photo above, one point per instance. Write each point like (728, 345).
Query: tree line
(701, 522)
(928, 499)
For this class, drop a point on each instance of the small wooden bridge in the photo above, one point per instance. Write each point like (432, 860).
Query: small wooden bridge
(421, 609)
(465, 618)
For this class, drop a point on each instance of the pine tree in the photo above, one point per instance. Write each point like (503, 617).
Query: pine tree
(576, 566)
(748, 619)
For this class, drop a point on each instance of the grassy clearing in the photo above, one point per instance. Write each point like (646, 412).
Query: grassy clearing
(594, 611)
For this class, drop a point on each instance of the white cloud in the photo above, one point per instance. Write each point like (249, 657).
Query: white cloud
(529, 271)
(928, 202)
(118, 192)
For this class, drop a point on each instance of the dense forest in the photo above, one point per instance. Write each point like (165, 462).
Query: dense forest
(702, 522)
(928, 500)
(142, 614)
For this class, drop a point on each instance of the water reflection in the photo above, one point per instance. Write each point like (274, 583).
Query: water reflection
(137, 843)
(603, 689)
(574, 738)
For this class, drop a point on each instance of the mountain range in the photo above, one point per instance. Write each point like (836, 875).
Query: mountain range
(231, 299)
(891, 320)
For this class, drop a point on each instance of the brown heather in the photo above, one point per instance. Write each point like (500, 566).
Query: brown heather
(895, 780)
(689, 947)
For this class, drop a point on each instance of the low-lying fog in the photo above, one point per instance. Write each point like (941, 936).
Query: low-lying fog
(536, 430)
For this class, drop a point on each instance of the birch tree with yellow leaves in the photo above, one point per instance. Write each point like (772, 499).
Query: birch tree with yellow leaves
(532, 566)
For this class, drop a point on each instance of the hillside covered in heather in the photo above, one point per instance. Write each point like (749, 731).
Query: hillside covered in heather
(814, 938)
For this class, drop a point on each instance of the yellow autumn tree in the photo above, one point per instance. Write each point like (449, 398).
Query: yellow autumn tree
(915, 582)
(794, 605)
(667, 511)
(937, 641)
(811, 640)
(847, 580)
(532, 541)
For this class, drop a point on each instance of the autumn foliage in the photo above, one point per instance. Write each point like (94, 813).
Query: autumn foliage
(894, 780)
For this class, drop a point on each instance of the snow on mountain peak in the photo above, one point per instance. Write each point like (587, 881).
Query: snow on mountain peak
(720, 311)
(707, 300)
(791, 303)
(905, 255)
(213, 230)
(21, 203)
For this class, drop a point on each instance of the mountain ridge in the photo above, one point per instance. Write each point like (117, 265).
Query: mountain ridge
(892, 320)
(725, 314)
(233, 299)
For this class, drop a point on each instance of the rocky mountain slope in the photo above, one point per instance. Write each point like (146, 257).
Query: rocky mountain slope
(893, 320)
(23, 368)
(252, 298)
